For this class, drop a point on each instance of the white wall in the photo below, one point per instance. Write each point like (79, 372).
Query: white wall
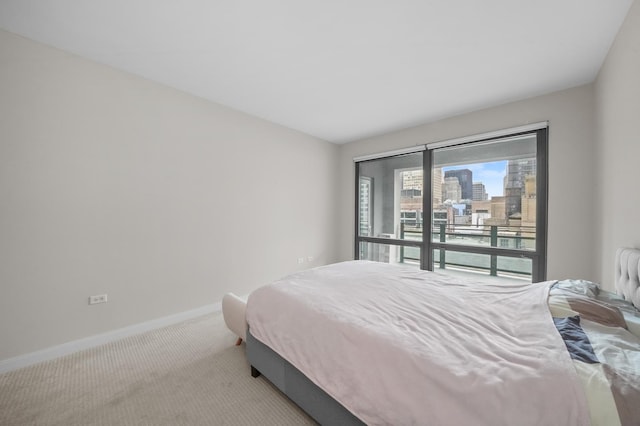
(110, 183)
(114, 184)
(571, 233)
(617, 91)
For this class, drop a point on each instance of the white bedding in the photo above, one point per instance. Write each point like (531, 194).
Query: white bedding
(396, 349)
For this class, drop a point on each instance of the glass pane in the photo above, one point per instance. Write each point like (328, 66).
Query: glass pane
(474, 265)
(389, 253)
(390, 197)
(485, 193)
(518, 267)
(522, 237)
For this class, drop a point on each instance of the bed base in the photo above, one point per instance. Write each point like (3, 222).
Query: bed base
(296, 386)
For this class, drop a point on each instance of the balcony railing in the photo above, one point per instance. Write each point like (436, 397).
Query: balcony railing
(499, 236)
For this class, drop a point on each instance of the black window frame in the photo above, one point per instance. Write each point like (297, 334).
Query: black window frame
(538, 256)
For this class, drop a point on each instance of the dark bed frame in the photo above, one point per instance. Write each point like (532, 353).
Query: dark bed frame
(295, 385)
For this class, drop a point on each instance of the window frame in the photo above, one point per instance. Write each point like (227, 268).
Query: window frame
(538, 256)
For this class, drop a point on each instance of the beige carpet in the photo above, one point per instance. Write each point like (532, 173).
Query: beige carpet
(186, 374)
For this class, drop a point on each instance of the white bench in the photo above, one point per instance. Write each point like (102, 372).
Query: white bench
(233, 311)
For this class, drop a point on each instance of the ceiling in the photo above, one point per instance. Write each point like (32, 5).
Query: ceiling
(337, 70)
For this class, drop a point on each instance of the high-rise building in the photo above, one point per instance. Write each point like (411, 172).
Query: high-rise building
(479, 192)
(436, 188)
(412, 179)
(411, 197)
(529, 202)
(517, 171)
(451, 189)
(465, 179)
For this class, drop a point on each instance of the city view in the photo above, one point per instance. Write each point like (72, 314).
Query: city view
(482, 205)
(492, 204)
(459, 199)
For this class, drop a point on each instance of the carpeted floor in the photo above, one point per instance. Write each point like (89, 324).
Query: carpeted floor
(187, 374)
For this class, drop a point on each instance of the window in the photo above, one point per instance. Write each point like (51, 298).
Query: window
(390, 206)
(474, 207)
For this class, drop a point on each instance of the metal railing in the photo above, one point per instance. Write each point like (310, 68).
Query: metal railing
(521, 238)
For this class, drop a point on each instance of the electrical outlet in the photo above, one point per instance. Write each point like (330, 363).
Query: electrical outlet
(300, 259)
(310, 259)
(100, 298)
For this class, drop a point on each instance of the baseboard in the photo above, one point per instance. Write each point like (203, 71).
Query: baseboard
(101, 339)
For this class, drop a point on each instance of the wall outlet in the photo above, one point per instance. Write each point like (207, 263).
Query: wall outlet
(100, 298)
(300, 259)
(310, 259)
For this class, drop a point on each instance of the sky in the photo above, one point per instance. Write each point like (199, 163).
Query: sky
(491, 174)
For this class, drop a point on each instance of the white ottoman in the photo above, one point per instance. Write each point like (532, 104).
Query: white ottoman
(233, 311)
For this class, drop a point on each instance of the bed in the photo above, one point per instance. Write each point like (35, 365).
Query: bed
(362, 342)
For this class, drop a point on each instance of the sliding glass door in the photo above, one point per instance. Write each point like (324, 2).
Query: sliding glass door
(476, 208)
(390, 209)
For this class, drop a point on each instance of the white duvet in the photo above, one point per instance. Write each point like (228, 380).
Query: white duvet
(396, 345)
